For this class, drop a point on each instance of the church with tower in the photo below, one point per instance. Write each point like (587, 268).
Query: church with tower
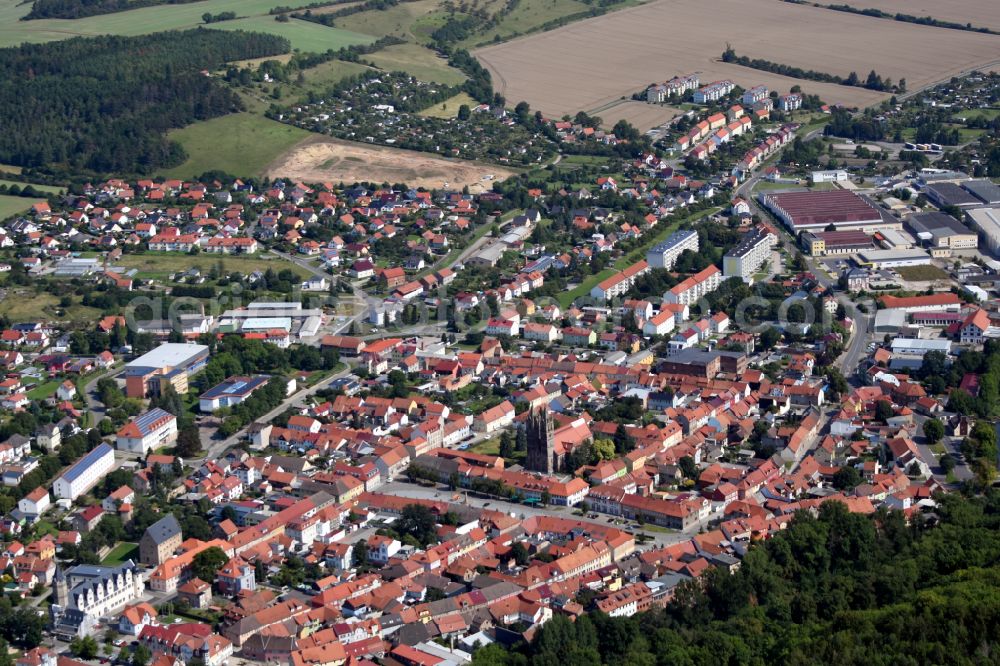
(542, 456)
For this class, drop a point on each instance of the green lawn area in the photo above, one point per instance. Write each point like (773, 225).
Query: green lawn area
(40, 188)
(159, 265)
(398, 20)
(529, 15)
(922, 273)
(566, 299)
(303, 34)
(45, 527)
(326, 74)
(10, 206)
(123, 551)
(989, 114)
(417, 61)
(240, 144)
(449, 107)
(43, 391)
(24, 304)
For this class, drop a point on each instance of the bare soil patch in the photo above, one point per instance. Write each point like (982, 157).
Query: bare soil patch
(321, 159)
(980, 13)
(589, 64)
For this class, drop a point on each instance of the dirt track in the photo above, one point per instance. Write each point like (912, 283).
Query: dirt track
(322, 159)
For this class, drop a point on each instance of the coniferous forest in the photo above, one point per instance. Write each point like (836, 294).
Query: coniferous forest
(106, 103)
(73, 9)
(839, 588)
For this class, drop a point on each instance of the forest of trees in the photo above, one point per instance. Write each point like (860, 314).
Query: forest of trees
(839, 588)
(106, 103)
(72, 9)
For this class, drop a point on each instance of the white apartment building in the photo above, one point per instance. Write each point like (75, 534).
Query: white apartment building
(746, 258)
(148, 431)
(690, 290)
(85, 474)
(753, 95)
(664, 255)
(713, 91)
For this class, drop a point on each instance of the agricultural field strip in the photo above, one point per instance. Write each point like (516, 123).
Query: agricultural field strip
(593, 62)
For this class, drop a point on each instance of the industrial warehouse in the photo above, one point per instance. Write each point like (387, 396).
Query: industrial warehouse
(815, 211)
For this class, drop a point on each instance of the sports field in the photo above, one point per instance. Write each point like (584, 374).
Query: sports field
(239, 144)
(590, 63)
(304, 35)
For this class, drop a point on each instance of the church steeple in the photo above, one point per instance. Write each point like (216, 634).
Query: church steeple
(60, 587)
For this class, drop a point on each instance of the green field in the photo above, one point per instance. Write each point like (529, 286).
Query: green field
(530, 15)
(13, 205)
(304, 35)
(449, 108)
(145, 20)
(123, 551)
(977, 113)
(566, 298)
(43, 391)
(24, 304)
(158, 265)
(399, 20)
(921, 273)
(417, 61)
(239, 144)
(40, 188)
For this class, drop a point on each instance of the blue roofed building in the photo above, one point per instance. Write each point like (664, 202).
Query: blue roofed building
(85, 473)
(148, 431)
(232, 391)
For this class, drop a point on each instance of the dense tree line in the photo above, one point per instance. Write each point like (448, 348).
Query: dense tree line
(106, 103)
(899, 16)
(328, 18)
(860, 128)
(72, 9)
(837, 588)
(873, 82)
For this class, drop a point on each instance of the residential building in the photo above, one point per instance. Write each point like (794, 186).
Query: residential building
(753, 250)
(665, 254)
(152, 430)
(86, 593)
(160, 540)
(85, 474)
(688, 291)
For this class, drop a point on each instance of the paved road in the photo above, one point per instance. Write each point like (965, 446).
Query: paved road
(217, 448)
(90, 397)
(659, 539)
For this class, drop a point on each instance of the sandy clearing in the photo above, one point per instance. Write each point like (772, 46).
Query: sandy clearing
(320, 159)
(980, 13)
(591, 63)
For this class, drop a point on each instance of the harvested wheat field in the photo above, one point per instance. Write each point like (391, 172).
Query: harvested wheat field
(322, 159)
(980, 13)
(589, 64)
(642, 116)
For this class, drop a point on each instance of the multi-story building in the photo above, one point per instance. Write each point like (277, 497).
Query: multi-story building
(35, 503)
(790, 102)
(86, 593)
(664, 254)
(691, 289)
(160, 541)
(753, 95)
(661, 92)
(170, 363)
(746, 258)
(713, 91)
(148, 431)
(85, 474)
(619, 283)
